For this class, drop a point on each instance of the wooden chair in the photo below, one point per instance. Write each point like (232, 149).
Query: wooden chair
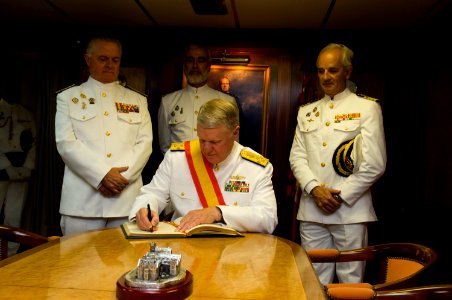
(26, 239)
(428, 292)
(388, 266)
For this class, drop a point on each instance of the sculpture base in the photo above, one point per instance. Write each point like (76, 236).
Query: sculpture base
(180, 290)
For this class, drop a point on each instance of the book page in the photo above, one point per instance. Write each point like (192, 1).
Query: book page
(212, 229)
(167, 230)
(209, 229)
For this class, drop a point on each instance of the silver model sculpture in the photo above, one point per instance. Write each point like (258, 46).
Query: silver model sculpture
(157, 268)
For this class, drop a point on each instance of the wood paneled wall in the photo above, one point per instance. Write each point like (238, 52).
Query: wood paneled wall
(408, 70)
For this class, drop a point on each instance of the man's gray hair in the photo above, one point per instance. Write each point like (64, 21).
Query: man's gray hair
(198, 46)
(93, 41)
(217, 112)
(347, 53)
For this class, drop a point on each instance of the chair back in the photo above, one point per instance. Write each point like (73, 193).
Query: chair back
(25, 238)
(388, 266)
(429, 292)
(400, 264)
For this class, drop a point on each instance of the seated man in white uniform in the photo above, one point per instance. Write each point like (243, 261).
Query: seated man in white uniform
(211, 179)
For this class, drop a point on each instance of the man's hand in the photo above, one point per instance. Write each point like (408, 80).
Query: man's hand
(200, 216)
(106, 192)
(113, 183)
(328, 200)
(143, 221)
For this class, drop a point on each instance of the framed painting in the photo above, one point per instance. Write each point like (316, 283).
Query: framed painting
(250, 86)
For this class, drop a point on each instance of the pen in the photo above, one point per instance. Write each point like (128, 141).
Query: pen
(150, 218)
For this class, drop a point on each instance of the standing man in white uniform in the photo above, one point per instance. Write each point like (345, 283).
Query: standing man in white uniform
(104, 136)
(178, 110)
(336, 202)
(211, 179)
(17, 160)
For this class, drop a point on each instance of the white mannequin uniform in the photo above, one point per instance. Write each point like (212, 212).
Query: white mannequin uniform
(17, 160)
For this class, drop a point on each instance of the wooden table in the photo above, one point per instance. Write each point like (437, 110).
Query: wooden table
(88, 265)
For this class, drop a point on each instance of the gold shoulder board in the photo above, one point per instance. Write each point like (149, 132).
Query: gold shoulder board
(177, 146)
(63, 89)
(367, 97)
(253, 157)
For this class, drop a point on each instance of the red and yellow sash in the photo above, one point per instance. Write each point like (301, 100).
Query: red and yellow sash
(203, 177)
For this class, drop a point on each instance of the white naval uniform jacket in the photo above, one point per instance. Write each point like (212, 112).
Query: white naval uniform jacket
(321, 127)
(14, 120)
(97, 127)
(252, 211)
(178, 112)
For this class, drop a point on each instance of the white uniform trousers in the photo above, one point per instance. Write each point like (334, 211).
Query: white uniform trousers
(72, 225)
(335, 236)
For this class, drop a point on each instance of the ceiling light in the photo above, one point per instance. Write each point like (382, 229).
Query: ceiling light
(209, 7)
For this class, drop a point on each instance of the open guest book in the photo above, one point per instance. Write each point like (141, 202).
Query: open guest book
(167, 230)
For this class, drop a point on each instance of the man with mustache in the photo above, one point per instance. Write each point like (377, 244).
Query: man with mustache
(178, 110)
(336, 203)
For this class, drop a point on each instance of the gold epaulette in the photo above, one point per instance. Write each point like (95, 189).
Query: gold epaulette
(135, 90)
(367, 97)
(63, 89)
(254, 157)
(177, 146)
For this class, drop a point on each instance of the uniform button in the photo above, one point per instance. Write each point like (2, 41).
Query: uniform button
(235, 203)
(331, 105)
(108, 154)
(327, 123)
(196, 97)
(83, 117)
(104, 94)
(346, 128)
(194, 129)
(107, 133)
(322, 164)
(182, 194)
(324, 144)
(106, 113)
(130, 120)
(196, 112)
(216, 167)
